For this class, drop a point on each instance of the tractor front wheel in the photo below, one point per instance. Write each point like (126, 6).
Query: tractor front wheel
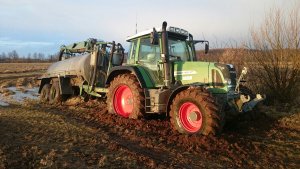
(126, 97)
(194, 111)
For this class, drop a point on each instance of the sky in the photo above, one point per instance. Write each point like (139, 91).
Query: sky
(29, 26)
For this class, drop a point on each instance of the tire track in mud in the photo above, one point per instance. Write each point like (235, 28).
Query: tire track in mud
(174, 150)
(116, 141)
(155, 144)
(119, 137)
(160, 157)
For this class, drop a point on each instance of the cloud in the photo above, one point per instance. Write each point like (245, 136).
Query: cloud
(7, 42)
(24, 47)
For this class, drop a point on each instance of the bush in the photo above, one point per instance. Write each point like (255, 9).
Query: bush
(274, 56)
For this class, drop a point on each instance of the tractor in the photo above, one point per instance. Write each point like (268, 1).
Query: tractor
(161, 75)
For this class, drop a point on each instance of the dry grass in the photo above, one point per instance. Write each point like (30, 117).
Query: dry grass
(22, 67)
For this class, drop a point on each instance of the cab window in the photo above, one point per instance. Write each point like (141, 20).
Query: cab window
(131, 52)
(179, 48)
(149, 54)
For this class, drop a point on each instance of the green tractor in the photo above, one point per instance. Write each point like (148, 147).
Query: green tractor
(161, 76)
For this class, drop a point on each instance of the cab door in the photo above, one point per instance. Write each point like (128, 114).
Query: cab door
(149, 58)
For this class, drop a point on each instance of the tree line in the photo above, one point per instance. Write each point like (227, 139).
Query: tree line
(14, 57)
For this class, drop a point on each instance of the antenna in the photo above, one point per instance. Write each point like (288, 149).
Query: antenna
(135, 22)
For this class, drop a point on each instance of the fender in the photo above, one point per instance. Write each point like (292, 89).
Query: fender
(43, 82)
(64, 84)
(173, 94)
(117, 70)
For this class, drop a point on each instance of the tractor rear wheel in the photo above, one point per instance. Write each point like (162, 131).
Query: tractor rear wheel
(55, 94)
(194, 111)
(126, 97)
(44, 96)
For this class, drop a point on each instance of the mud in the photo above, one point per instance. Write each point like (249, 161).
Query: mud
(78, 134)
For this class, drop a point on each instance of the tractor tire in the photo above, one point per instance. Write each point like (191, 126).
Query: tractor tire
(55, 94)
(45, 92)
(195, 111)
(125, 97)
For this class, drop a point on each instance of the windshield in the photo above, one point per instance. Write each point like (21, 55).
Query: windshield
(180, 48)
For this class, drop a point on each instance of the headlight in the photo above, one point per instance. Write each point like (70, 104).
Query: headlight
(171, 29)
(178, 30)
(184, 32)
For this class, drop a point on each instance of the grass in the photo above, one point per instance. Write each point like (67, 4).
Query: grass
(22, 67)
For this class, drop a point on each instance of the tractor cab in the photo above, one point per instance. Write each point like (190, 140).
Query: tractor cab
(146, 51)
(181, 45)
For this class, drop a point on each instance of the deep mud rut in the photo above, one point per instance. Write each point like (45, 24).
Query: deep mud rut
(84, 135)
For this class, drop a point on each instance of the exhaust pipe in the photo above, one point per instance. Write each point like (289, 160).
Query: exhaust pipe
(165, 54)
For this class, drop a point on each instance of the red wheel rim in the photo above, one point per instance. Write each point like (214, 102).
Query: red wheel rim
(190, 117)
(123, 101)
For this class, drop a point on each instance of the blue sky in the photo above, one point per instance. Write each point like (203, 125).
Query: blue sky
(45, 25)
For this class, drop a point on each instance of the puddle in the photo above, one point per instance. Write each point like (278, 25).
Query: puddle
(2, 102)
(19, 95)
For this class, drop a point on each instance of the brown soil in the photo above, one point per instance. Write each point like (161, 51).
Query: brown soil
(78, 134)
(6, 68)
(21, 74)
(84, 135)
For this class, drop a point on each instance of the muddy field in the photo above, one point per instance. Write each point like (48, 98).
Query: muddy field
(79, 134)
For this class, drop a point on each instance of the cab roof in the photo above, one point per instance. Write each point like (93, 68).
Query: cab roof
(174, 30)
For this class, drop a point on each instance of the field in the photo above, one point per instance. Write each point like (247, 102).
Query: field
(78, 134)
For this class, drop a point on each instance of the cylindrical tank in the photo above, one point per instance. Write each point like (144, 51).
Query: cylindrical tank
(78, 65)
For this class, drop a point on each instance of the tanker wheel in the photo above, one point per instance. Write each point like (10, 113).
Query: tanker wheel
(126, 97)
(194, 111)
(55, 95)
(45, 92)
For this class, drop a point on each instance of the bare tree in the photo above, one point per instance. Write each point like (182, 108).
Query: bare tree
(274, 55)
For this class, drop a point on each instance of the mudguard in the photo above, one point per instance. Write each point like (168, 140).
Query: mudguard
(174, 93)
(144, 80)
(43, 82)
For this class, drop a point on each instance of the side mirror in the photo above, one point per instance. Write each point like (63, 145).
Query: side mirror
(154, 37)
(206, 48)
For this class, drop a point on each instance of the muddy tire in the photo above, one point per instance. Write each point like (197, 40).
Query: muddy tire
(194, 111)
(125, 97)
(55, 94)
(45, 92)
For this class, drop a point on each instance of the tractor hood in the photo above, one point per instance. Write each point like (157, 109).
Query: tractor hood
(192, 72)
(219, 77)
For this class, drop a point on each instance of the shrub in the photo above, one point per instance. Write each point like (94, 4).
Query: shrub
(274, 55)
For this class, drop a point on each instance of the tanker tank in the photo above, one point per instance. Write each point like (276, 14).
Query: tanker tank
(75, 66)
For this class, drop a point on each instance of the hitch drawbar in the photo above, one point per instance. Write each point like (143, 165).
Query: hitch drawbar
(248, 106)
